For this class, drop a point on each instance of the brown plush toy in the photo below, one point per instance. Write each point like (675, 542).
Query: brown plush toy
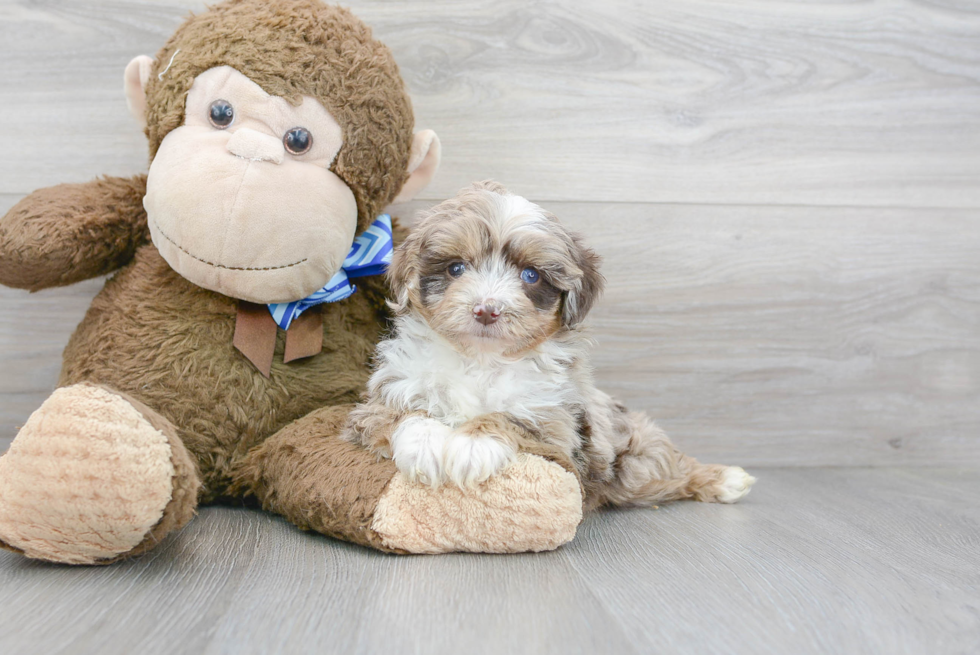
(278, 131)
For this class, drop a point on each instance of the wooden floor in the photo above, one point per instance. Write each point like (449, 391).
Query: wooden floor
(787, 199)
(815, 561)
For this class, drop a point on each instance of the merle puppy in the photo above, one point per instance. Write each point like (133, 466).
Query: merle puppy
(488, 357)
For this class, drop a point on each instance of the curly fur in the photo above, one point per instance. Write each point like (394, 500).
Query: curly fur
(455, 397)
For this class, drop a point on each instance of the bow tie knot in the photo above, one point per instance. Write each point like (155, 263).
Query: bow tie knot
(370, 255)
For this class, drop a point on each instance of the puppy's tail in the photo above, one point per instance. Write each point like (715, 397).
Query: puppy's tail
(649, 469)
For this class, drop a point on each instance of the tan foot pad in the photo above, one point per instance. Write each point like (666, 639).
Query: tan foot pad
(85, 480)
(532, 505)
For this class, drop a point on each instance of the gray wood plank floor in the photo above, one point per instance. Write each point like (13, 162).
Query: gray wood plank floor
(814, 561)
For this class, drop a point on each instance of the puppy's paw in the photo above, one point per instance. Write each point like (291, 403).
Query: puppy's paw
(472, 459)
(734, 485)
(417, 448)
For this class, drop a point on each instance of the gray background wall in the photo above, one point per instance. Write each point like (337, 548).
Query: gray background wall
(787, 196)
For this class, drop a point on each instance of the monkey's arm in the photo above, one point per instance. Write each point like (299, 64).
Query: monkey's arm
(71, 232)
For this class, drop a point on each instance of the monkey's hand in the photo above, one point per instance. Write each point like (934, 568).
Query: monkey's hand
(71, 232)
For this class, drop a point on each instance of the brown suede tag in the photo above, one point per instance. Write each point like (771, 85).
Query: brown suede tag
(304, 338)
(255, 335)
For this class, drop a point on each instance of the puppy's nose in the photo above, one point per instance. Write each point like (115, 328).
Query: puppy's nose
(256, 146)
(486, 313)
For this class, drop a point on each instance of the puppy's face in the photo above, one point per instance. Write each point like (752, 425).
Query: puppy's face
(493, 272)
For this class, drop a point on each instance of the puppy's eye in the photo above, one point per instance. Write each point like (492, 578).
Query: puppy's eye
(456, 269)
(530, 276)
(221, 114)
(298, 140)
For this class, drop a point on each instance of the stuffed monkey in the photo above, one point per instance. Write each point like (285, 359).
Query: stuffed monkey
(278, 131)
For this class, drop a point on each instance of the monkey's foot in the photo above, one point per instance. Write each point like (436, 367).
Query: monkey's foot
(531, 505)
(93, 477)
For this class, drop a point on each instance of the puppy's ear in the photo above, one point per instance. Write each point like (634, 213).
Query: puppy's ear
(402, 273)
(587, 288)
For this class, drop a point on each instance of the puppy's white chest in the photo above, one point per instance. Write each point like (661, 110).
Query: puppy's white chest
(519, 389)
(419, 375)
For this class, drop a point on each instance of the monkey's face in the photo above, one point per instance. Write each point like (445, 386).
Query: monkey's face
(241, 199)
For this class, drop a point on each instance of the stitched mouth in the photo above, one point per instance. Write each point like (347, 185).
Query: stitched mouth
(216, 265)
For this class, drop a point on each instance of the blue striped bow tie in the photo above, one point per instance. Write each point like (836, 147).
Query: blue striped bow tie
(370, 255)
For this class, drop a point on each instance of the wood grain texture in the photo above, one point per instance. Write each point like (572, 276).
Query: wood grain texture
(813, 561)
(754, 335)
(702, 101)
(794, 335)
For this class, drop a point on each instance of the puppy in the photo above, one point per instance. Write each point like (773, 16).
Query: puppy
(488, 358)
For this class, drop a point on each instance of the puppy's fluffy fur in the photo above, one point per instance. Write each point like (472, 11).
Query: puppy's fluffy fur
(488, 358)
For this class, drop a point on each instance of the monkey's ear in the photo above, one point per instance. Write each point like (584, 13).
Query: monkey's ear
(134, 83)
(422, 164)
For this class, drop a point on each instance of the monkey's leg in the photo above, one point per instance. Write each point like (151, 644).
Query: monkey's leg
(649, 469)
(93, 477)
(321, 482)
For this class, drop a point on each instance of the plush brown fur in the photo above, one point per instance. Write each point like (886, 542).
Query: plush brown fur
(351, 74)
(72, 232)
(323, 484)
(165, 341)
(168, 343)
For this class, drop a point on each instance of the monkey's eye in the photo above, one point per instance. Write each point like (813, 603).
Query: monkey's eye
(456, 269)
(298, 140)
(221, 114)
(530, 276)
